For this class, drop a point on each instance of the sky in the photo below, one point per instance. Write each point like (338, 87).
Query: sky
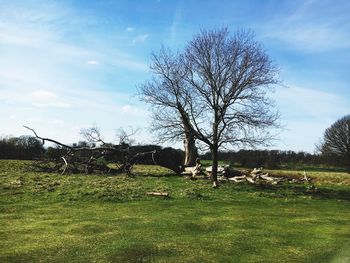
(68, 65)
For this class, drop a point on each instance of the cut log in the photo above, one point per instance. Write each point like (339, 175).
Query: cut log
(256, 171)
(267, 177)
(239, 177)
(165, 194)
(250, 180)
(197, 169)
(221, 168)
(305, 178)
(194, 171)
(188, 170)
(238, 180)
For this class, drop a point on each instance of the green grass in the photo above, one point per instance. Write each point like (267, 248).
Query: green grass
(94, 218)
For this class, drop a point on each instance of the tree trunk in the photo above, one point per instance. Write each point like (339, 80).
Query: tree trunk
(214, 150)
(190, 150)
(214, 167)
(190, 140)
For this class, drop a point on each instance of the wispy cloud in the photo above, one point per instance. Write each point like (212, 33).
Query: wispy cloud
(311, 103)
(306, 113)
(130, 109)
(43, 75)
(140, 39)
(44, 95)
(130, 29)
(92, 62)
(46, 99)
(58, 104)
(176, 20)
(313, 38)
(58, 122)
(315, 26)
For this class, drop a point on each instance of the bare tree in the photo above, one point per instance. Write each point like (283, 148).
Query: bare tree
(92, 135)
(230, 77)
(336, 140)
(167, 92)
(222, 83)
(126, 136)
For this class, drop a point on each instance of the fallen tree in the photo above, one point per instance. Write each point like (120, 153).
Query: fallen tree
(98, 159)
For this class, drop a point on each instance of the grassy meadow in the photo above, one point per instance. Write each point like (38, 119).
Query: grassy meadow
(100, 218)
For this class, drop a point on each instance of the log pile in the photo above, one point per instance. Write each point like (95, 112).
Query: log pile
(255, 176)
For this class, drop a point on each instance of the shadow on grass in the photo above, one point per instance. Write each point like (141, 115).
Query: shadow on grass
(141, 253)
(156, 175)
(307, 190)
(313, 169)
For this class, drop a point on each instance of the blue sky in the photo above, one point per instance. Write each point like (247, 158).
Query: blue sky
(68, 65)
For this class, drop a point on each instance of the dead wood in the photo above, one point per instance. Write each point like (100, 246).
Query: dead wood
(165, 194)
(257, 176)
(95, 159)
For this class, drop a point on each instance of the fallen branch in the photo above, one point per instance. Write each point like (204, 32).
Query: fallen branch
(66, 165)
(165, 194)
(71, 148)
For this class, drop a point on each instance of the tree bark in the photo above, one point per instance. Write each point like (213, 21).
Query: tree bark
(214, 167)
(190, 140)
(190, 149)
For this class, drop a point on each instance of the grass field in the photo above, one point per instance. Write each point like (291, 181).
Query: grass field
(94, 218)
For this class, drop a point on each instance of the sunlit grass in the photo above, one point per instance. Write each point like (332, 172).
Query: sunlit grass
(97, 218)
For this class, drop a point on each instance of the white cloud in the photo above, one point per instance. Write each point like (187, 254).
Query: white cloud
(92, 62)
(46, 98)
(47, 45)
(44, 79)
(58, 122)
(44, 94)
(130, 109)
(140, 39)
(51, 104)
(34, 120)
(130, 29)
(87, 107)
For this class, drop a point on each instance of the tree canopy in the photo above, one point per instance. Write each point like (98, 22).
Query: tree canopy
(216, 89)
(336, 140)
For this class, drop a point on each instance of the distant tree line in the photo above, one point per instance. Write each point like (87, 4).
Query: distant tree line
(277, 159)
(30, 148)
(22, 148)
